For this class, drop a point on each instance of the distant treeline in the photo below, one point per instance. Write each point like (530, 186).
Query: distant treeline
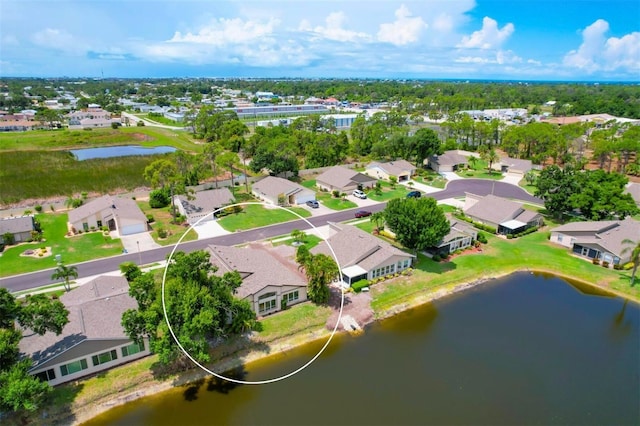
(415, 96)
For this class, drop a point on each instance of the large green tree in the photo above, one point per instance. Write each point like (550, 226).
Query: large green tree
(320, 270)
(18, 389)
(200, 306)
(419, 223)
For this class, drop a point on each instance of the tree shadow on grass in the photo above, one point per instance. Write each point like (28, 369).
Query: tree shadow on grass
(55, 409)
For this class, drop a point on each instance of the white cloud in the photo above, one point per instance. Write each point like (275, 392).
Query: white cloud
(57, 39)
(489, 37)
(501, 57)
(9, 40)
(405, 29)
(334, 29)
(597, 52)
(221, 32)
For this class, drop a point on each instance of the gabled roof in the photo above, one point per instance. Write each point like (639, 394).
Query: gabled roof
(125, 209)
(16, 225)
(206, 201)
(258, 266)
(517, 163)
(354, 246)
(273, 186)
(457, 229)
(607, 234)
(587, 226)
(338, 176)
(449, 158)
(494, 209)
(393, 168)
(95, 313)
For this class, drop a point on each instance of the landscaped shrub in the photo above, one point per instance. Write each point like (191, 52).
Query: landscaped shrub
(27, 212)
(617, 266)
(595, 261)
(162, 233)
(509, 236)
(436, 258)
(335, 193)
(38, 208)
(159, 198)
(9, 238)
(359, 285)
(482, 238)
(605, 264)
(150, 218)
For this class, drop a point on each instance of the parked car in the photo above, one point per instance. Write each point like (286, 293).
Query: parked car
(313, 204)
(359, 194)
(414, 194)
(363, 213)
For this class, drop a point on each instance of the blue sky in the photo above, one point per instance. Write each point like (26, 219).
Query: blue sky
(593, 40)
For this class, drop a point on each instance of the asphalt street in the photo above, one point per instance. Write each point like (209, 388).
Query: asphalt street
(454, 189)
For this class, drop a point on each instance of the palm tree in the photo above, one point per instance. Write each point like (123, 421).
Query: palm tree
(635, 256)
(378, 220)
(65, 273)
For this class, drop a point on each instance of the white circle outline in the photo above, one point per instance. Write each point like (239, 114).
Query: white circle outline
(220, 376)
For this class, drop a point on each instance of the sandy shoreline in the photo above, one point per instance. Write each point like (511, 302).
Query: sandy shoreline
(83, 414)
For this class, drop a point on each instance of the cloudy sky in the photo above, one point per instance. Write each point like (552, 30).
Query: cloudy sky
(594, 40)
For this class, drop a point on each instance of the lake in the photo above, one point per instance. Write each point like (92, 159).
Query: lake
(118, 151)
(525, 349)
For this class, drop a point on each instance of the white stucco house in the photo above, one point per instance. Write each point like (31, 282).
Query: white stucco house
(118, 214)
(279, 191)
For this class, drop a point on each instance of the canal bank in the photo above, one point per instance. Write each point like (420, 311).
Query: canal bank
(150, 386)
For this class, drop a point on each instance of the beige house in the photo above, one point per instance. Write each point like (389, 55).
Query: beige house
(508, 217)
(118, 214)
(461, 235)
(401, 169)
(270, 276)
(92, 341)
(599, 240)
(449, 161)
(362, 255)
(89, 118)
(19, 227)
(202, 203)
(343, 179)
(279, 191)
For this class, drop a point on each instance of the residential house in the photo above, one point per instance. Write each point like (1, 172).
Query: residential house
(93, 117)
(92, 341)
(362, 255)
(279, 191)
(461, 235)
(602, 240)
(512, 165)
(118, 214)
(449, 161)
(634, 190)
(508, 217)
(19, 227)
(401, 169)
(343, 179)
(270, 277)
(202, 203)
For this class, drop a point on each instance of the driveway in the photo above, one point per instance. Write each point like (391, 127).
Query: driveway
(420, 187)
(321, 210)
(450, 175)
(512, 178)
(366, 202)
(209, 229)
(142, 241)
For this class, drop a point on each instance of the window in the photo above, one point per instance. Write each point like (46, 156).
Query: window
(73, 367)
(85, 226)
(104, 357)
(559, 238)
(290, 297)
(99, 223)
(264, 296)
(47, 375)
(267, 306)
(132, 349)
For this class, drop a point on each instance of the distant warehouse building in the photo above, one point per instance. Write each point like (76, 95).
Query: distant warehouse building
(278, 110)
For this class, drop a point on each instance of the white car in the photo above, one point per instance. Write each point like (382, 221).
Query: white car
(359, 194)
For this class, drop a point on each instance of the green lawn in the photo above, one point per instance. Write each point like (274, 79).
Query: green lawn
(254, 215)
(333, 203)
(293, 320)
(80, 248)
(500, 256)
(162, 219)
(310, 241)
(388, 192)
(431, 178)
(162, 120)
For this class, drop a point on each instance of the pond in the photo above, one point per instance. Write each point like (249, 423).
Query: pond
(526, 349)
(118, 151)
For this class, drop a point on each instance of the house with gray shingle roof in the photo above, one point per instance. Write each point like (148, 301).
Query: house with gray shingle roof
(461, 235)
(272, 189)
(343, 179)
(362, 255)
(508, 217)
(401, 169)
(269, 275)
(512, 165)
(118, 214)
(19, 227)
(202, 203)
(448, 161)
(599, 240)
(92, 341)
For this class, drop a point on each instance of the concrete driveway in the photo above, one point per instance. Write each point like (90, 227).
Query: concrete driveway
(362, 202)
(450, 175)
(420, 187)
(143, 241)
(512, 178)
(209, 229)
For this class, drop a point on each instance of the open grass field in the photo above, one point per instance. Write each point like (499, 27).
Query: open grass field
(44, 174)
(68, 139)
(76, 249)
(500, 257)
(254, 216)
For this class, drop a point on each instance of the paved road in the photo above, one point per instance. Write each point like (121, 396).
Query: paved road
(454, 189)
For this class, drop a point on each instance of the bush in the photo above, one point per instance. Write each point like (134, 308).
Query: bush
(509, 236)
(27, 212)
(335, 193)
(38, 208)
(482, 238)
(150, 218)
(617, 266)
(159, 198)
(8, 238)
(162, 233)
(359, 285)
(436, 258)
(605, 264)
(595, 261)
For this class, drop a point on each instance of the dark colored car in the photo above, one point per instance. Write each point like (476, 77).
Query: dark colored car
(313, 204)
(363, 213)
(414, 194)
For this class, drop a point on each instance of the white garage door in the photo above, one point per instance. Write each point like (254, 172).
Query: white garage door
(133, 229)
(303, 198)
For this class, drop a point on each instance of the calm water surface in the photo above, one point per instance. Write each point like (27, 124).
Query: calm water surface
(118, 151)
(526, 349)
